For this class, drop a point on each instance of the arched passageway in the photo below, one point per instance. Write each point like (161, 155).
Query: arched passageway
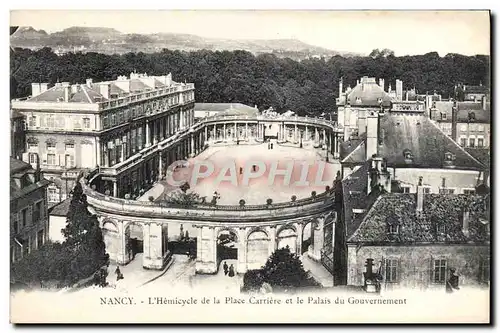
(257, 249)
(287, 237)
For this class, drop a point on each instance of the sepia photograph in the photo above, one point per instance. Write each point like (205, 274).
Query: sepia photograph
(316, 166)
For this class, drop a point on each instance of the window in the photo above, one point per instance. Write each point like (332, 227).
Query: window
(32, 158)
(24, 217)
(480, 127)
(53, 196)
(484, 271)
(472, 142)
(393, 229)
(470, 192)
(427, 190)
(405, 189)
(37, 211)
(32, 121)
(480, 142)
(86, 123)
(51, 122)
(40, 238)
(391, 270)
(463, 142)
(51, 145)
(443, 116)
(51, 159)
(439, 274)
(463, 127)
(446, 191)
(32, 146)
(105, 122)
(441, 228)
(70, 146)
(69, 161)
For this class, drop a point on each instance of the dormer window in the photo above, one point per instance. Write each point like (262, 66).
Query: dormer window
(449, 157)
(358, 100)
(408, 156)
(440, 228)
(472, 116)
(393, 229)
(379, 100)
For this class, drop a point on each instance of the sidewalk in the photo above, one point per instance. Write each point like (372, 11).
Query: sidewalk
(316, 269)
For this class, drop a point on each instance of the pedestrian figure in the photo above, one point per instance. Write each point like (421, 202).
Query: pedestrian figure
(118, 273)
(253, 168)
(452, 283)
(272, 145)
(231, 270)
(241, 170)
(225, 268)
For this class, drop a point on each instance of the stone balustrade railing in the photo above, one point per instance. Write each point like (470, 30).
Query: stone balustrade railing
(236, 213)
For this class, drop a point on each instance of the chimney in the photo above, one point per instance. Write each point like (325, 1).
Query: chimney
(454, 113)
(341, 87)
(372, 124)
(420, 196)
(149, 81)
(357, 82)
(105, 90)
(89, 83)
(67, 93)
(483, 101)
(74, 88)
(378, 175)
(399, 90)
(123, 83)
(465, 224)
(361, 121)
(35, 89)
(44, 87)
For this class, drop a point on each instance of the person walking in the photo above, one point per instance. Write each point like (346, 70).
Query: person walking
(118, 273)
(225, 268)
(231, 270)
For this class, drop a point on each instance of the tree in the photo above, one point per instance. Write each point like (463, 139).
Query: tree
(284, 270)
(183, 198)
(84, 241)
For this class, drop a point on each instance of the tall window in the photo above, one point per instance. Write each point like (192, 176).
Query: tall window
(439, 274)
(463, 142)
(51, 145)
(37, 211)
(472, 142)
(32, 121)
(69, 146)
(24, 217)
(51, 122)
(51, 159)
(480, 142)
(32, 158)
(86, 123)
(69, 160)
(391, 270)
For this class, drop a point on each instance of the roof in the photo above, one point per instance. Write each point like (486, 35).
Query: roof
(368, 93)
(438, 209)
(479, 115)
(476, 89)
(61, 209)
(56, 94)
(18, 165)
(227, 108)
(347, 147)
(426, 142)
(481, 154)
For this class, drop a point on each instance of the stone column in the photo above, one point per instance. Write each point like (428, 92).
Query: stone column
(122, 150)
(324, 138)
(246, 131)
(206, 131)
(206, 256)
(224, 134)
(318, 238)
(316, 135)
(242, 251)
(153, 246)
(122, 257)
(299, 227)
(272, 239)
(192, 143)
(115, 188)
(105, 153)
(160, 165)
(148, 142)
(235, 134)
(307, 133)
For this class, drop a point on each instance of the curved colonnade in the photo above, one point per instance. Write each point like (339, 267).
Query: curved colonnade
(256, 230)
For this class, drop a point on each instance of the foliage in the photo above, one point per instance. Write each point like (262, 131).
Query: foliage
(78, 257)
(294, 198)
(151, 198)
(269, 201)
(313, 194)
(184, 187)
(242, 203)
(184, 199)
(305, 87)
(284, 270)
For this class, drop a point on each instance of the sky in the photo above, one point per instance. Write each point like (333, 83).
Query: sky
(406, 33)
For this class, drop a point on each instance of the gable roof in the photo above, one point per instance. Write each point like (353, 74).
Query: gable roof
(56, 94)
(426, 142)
(367, 93)
(438, 209)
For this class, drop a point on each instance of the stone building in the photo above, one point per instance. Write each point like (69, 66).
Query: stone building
(17, 134)
(75, 127)
(468, 123)
(28, 209)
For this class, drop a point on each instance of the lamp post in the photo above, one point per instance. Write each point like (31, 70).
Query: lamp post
(301, 136)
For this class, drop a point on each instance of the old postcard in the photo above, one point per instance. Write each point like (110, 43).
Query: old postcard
(320, 167)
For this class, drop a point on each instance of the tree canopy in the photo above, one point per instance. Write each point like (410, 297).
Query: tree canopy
(307, 87)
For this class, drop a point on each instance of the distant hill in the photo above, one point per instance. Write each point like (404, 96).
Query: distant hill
(109, 40)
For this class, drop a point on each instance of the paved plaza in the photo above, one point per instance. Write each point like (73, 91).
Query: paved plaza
(258, 190)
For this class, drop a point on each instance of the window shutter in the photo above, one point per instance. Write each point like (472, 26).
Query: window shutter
(431, 270)
(29, 215)
(398, 270)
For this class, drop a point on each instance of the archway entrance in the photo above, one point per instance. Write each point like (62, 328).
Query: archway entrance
(307, 237)
(111, 239)
(227, 246)
(257, 249)
(287, 237)
(134, 239)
